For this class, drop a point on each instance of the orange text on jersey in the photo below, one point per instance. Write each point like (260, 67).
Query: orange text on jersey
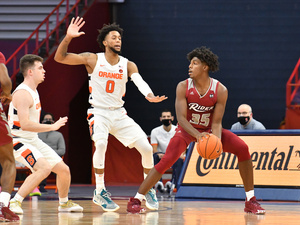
(37, 106)
(110, 75)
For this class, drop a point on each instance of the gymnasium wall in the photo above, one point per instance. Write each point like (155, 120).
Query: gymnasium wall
(257, 43)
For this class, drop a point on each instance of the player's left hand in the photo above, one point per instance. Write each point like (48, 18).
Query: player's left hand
(152, 98)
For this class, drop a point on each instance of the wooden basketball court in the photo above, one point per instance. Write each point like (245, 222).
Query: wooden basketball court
(172, 211)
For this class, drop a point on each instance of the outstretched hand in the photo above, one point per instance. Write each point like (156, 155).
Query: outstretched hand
(59, 123)
(74, 27)
(152, 98)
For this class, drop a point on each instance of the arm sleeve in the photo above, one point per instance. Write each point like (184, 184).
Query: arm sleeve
(141, 84)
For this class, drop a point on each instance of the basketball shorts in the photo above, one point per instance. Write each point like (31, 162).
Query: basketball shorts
(28, 151)
(116, 122)
(5, 135)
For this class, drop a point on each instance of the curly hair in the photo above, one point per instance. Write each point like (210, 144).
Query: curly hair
(105, 30)
(205, 55)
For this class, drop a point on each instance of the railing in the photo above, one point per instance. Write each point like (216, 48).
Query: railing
(51, 36)
(292, 87)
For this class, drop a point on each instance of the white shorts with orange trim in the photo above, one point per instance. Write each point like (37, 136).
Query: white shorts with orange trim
(28, 151)
(116, 122)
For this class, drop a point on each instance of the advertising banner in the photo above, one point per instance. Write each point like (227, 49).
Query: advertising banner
(276, 162)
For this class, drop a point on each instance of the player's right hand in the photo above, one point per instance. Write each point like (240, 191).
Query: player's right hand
(59, 123)
(74, 27)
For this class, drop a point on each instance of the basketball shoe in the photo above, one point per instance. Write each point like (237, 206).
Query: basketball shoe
(151, 200)
(134, 206)
(252, 206)
(15, 206)
(69, 206)
(6, 214)
(35, 192)
(103, 199)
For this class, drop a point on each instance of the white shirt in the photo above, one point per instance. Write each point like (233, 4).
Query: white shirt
(161, 137)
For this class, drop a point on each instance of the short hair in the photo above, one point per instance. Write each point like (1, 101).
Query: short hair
(28, 61)
(47, 113)
(205, 55)
(105, 30)
(166, 110)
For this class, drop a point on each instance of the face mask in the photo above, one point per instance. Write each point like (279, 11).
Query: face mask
(244, 119)
(48, 122)
(166, 122)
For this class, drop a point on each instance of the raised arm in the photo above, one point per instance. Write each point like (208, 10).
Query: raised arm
(141, 84)
(64, 57)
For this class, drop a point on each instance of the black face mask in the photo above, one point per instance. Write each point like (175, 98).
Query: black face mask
(244, 119)
(166, 122)
(48, 122)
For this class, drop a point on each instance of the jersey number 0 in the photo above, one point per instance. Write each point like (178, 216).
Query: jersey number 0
(110, 86)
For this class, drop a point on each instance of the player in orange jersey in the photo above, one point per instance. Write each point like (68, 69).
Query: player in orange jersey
(24, 116)
(200, 106)
(108, 74)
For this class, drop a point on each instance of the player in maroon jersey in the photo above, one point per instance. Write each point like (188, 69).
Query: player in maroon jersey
(200, 105)
(7, 159)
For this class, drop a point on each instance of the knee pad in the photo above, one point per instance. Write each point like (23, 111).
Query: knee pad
(99, 154)
(146, 151)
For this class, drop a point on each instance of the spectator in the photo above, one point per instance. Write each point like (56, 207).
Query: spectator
(54, 139)
(160, 138)
(246, 120)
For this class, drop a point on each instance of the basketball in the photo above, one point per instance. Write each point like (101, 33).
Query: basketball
(209, 147)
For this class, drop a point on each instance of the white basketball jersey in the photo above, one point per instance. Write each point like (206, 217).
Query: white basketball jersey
(34, 114)
(107, 83)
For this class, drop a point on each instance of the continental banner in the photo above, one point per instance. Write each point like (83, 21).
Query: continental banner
(276, 162)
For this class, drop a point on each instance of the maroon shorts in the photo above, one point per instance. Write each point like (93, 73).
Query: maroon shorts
(178, 144)
(5, 136)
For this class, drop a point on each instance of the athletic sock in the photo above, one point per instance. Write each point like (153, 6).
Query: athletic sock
(99, 182)
(249, 194)
(19, 198)
(4, 198)
(139, 196)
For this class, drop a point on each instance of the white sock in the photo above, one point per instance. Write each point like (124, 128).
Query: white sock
(139, 196)
(249, 194)
(99, 182)
(19, 198)
(4, 198)
(63, 200)
(145, 175)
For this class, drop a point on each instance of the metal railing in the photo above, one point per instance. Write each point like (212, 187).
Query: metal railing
(42, 47)
(292, 87)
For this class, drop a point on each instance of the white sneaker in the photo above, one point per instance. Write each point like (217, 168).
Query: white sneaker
(151, 200)
(70, 206)
(15, 206)
(103, 199)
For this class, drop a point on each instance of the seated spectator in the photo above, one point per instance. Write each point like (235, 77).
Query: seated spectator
(160, 138)
(54, 139)
(246, 120)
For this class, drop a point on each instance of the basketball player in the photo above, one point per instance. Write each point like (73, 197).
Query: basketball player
(200, 105)
(7, 160)
(108, 73)
(24, 116)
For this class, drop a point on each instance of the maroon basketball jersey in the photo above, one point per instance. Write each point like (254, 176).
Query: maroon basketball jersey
(201, 108)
